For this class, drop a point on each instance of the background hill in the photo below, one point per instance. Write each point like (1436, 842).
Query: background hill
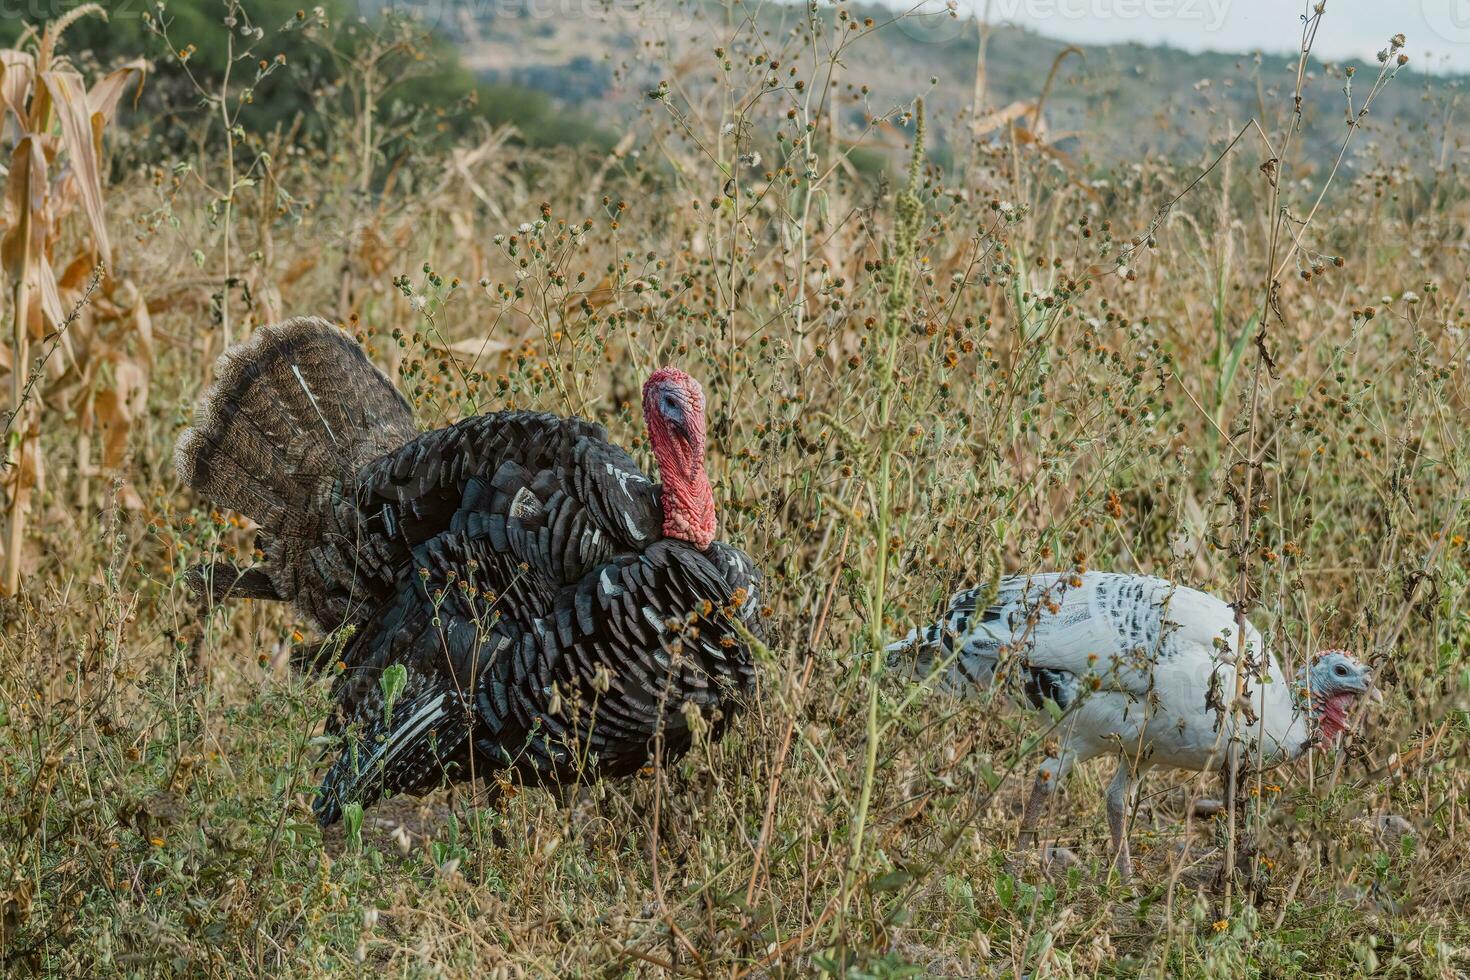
(567, 73)
(1122, 101)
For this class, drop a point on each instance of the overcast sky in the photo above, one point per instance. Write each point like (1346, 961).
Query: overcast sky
(1438, 31)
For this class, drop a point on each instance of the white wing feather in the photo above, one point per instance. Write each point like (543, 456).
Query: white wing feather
(1117, 628)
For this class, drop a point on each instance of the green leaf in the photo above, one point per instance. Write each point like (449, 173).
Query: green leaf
(1005, 890)
(892, 881)
(352, 824)
(392, 681)
(1231, 367)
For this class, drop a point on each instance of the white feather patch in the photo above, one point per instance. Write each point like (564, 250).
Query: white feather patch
(525, 504)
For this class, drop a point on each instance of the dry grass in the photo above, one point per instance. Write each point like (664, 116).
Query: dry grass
(1068, 379)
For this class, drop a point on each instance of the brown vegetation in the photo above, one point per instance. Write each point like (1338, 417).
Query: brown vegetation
(1010, 363)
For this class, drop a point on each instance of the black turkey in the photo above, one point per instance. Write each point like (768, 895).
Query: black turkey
(509, 596)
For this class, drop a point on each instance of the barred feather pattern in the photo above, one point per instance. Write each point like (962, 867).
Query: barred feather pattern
(514, 564)
(292, 412)
(1151, 672)
(1046, 625)
(1130, 657)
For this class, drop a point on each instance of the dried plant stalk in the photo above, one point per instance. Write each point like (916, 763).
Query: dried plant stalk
(54, 168)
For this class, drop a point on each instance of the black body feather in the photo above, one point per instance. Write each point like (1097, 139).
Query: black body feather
(513, 565)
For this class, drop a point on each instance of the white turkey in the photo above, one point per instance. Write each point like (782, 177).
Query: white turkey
(1142, 668)
(507, 595)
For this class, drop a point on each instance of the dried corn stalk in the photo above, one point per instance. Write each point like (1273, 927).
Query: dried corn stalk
(51, 127)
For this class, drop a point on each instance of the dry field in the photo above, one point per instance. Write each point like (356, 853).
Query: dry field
(1243, 372)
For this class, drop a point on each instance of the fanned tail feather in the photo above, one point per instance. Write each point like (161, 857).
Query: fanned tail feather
(293, 409)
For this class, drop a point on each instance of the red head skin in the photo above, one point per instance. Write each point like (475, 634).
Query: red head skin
(673, 411)
(1333, 717)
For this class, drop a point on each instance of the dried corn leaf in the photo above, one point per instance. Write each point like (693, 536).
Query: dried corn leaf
(25, 207)
(43, 281)
(76, 274)
(131, 299)
(299, 268)
(17, 71)
(69, 94)
(103, 97)
(19, 480)
(996, 120)
(118, 406)
(373, 250)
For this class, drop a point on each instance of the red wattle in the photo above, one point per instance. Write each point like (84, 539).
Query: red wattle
(688, 499)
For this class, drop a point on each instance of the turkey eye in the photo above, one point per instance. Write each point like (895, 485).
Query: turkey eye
(1340, 670)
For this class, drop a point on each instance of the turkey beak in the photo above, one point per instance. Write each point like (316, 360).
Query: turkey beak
(1371, 689)
(679, 423)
